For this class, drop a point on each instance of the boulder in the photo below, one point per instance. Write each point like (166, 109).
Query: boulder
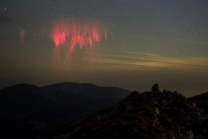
(155, 88)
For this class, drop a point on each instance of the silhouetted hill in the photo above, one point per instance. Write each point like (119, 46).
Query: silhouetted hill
(24, 108)
(153, 115)
(89, 90)
(85, 94)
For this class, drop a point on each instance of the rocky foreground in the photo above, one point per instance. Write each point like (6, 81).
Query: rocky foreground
(153, 115)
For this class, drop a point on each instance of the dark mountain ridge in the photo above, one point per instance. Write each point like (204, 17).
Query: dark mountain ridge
(24, 108)
(88, 89)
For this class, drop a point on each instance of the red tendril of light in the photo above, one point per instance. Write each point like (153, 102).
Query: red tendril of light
(22, 34)
(70, 34)
(85, 34)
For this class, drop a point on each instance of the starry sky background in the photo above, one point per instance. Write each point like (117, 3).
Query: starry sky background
(148, 42)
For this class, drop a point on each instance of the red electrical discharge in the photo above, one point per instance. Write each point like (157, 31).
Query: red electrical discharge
(22, 34)
(72, 34)
(76, 34)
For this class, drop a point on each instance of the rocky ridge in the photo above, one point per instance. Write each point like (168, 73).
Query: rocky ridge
(155, 115)
(201, 101)
(147, 115)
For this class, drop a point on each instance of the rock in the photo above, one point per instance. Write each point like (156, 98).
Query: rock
(173, 137)
(190, 135)
(157, 110)
(188, 118)
(203, 131)
(135, 94)
(181, 110)
(155, 88)
(189, 123)
(179, 130)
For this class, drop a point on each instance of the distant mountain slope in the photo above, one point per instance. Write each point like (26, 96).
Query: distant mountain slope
(89, 90)
(85, 94)
(24, 107)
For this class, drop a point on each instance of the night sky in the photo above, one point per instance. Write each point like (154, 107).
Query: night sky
(131, 44)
